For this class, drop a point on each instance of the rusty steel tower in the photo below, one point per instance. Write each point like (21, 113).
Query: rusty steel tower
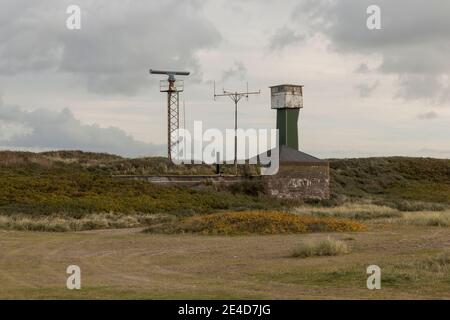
(173, 88)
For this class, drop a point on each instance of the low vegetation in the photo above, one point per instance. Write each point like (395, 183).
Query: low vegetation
(115, 165)
(34, 184)
(432, 270)
(62, 223)
(429, 219)
(255, 222)
(356, 211)
(407, 184)
(373, 213)
(439, 263)
(404, 202)
(60, 189)
(327, 247)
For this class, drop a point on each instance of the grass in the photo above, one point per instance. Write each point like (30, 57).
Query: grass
(430, 219)
(409, 271)
(74, 191)
(132, 265)
(70, 189)
(109, 164)
(374, 213)
(304, 219)
(61, 223)
(327, 247)
(358, 211)
(434, 268)
(393, 180)
(76, 184)
(439, 263)
(255, 222)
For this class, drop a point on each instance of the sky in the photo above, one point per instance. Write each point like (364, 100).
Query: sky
(366, 92)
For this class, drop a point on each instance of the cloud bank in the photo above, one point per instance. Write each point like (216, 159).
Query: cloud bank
(413, 43)
(49, 130)
(117, 44)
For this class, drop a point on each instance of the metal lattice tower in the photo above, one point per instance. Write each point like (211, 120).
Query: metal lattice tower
(173, 88)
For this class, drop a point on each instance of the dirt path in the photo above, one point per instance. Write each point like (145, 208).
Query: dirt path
(127, 263)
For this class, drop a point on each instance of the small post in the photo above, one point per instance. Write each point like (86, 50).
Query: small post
(218, 163)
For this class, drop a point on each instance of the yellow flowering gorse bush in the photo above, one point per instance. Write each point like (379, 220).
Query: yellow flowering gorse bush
(258, 222)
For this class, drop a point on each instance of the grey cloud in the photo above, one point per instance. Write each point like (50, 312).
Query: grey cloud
(365, 90)
(283, 38)
(415, 86)
(362, 68)
(61, 130)
(428, 115)
(414, 40)
(117, 44)
(238, 71)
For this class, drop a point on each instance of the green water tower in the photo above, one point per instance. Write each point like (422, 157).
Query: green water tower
(287, 99)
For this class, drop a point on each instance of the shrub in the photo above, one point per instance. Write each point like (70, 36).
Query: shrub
(328, 247)
(248, 187)
(256, 222)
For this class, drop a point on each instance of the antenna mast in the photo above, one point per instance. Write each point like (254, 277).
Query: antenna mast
(235, 97)
(173, 87)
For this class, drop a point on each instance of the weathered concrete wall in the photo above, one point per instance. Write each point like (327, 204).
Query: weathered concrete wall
(300, 181)
(293, 181)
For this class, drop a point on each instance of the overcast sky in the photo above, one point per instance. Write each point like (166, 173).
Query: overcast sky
(367, 92)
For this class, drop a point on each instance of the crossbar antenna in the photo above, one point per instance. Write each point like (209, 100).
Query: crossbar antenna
(173, 88)
(235, 97)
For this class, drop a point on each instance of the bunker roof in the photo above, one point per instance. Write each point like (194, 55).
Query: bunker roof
(287, 85)
(288, 154)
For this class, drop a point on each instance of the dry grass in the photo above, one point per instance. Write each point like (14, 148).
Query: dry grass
(61, 223)
(256, 222)
(438, 264)
(327, 247)
(356, 211)
(376, 213)
(430, 219)
(305, 219)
